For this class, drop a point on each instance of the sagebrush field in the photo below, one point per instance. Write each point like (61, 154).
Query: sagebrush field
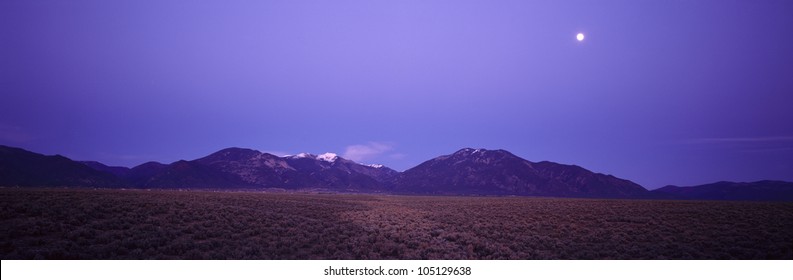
(139, 224)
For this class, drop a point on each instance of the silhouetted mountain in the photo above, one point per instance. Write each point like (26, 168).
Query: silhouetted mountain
(378, 172)
(498, 172)
(331, 171)
(327, 171)
(191, 174)
(583, 182)
(19, 167)
(760, 190)
(246, 168)
(251, 167)
(119, 171)
(139, 176)
(465, 172)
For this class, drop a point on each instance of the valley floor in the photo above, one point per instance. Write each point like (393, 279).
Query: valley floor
(140, 224)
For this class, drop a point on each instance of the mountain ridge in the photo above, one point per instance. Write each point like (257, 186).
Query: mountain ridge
(467, 171)
(499, 172)
(764, 190)
(22, 167)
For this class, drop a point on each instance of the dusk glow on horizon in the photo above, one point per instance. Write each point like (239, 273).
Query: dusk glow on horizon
(663, 93)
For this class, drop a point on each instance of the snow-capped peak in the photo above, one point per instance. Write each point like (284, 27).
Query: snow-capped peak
(470, 151)
(329, 157)
(376, 165)
(300, 155)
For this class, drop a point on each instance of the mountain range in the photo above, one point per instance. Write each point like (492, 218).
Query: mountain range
(465, 172)
(761, 190)
(498, 172)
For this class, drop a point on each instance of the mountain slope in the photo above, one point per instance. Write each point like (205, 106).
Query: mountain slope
(190, 174)
(249, 166)
(587, 183)
(331, 171)
(498, 172)
(119, 171)
(327, 171)
(139, 176)
(19, 167)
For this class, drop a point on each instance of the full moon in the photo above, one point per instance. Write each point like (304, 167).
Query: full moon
(580, 37)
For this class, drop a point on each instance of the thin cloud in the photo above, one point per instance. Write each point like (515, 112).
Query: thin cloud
(742, 140)
(277, 153)
(366, 151)
(769, 150)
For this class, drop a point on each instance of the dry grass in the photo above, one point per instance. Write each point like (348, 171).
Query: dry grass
(116, 224)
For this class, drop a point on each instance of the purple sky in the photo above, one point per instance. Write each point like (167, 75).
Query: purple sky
(659, 92)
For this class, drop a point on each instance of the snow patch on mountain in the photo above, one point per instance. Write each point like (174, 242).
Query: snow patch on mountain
(329, 157)
(300, 155)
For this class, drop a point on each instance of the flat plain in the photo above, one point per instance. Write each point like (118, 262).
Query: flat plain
(160, 224)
